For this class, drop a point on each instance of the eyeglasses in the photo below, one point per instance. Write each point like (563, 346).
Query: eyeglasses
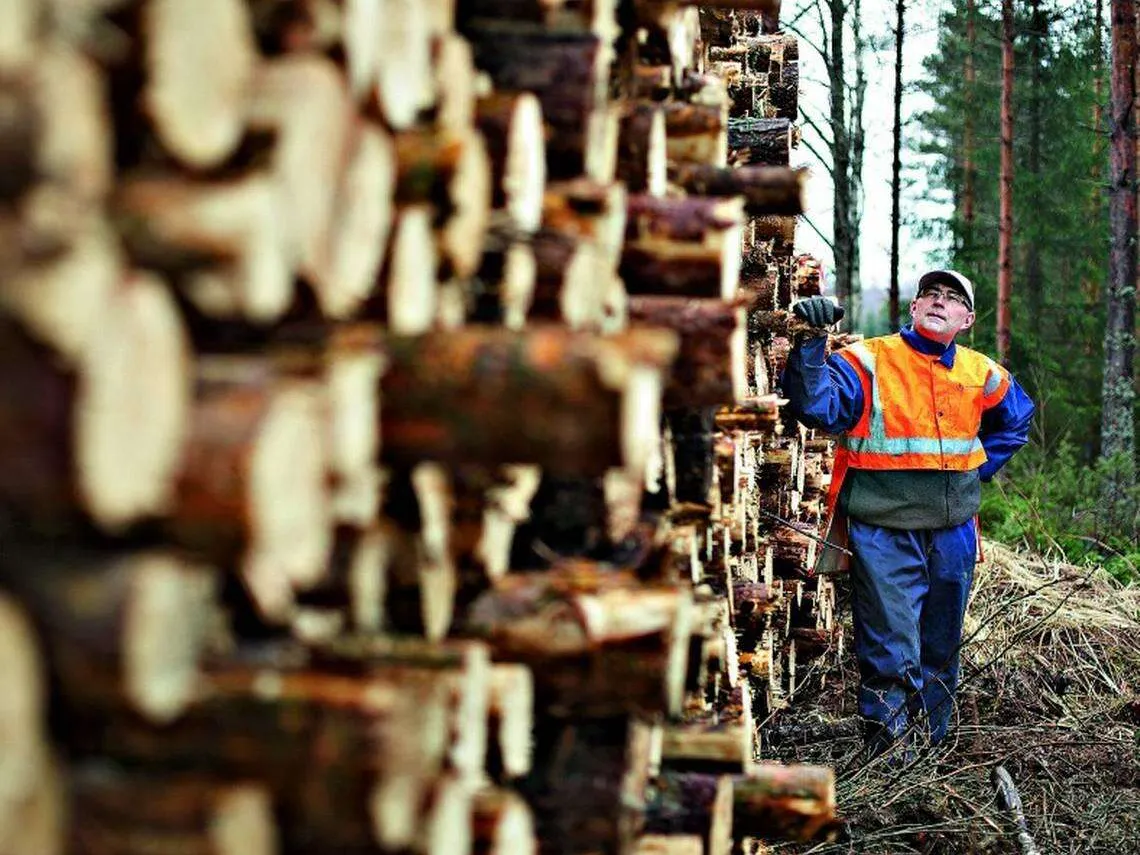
(948, 295)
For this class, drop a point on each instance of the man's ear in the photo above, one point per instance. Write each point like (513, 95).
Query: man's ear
(969, 322)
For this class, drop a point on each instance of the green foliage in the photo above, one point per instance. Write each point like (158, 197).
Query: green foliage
(1054, 503)
(1059, 204)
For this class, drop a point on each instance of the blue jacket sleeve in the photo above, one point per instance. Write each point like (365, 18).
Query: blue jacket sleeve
(1005, 428)
(823, 393)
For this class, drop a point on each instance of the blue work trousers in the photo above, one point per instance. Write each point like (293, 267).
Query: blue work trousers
(910, 591)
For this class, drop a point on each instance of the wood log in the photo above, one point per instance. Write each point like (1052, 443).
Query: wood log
(766, 189)
(760, 141)
(511, 124)
(353, 365)
(451, 173)
(669, 844)
(75, 140)
(642, 148)
(709, 369)
(595, 16)
(26, 773)
(423, 578)
(754, 603)
(589, 782)
(571, 275)
(783, 94)
(692, 803)
(784, 802)
(502, 824)
(695, 134)
(120, 628)
(718, 26)
(716, 747)
(71, 442)
(464, 666)
(781, 229)
(355, 588)
(410, 290)
(226, 239)
(510, 744)
(682, 247)
(456, 83)
(653, 82)
(352, 760)
(549, 374)
(567, 70)
(200, 69)
(599, 643)
(253, 486)
(344, 272)
(127, 813)
(303, 101)
(405, 85)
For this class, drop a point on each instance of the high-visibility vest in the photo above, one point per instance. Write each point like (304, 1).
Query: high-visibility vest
(917, 413)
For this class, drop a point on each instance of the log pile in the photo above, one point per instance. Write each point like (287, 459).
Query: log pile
(389, 445)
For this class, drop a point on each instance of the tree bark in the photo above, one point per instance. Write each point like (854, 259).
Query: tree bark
(442, 403)
(896, 168)
(1005, 193)
(784, 802)
(1117, 428)
(766, 189)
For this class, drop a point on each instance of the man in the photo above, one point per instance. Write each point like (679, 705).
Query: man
(922, 421)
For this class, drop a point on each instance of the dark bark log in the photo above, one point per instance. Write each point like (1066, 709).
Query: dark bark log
(121, 629)
(717, 26)
(695, 134)
(692, 803)
(642, 148)
(568, 72)
(683, 247)
(691, 433)
(599, 642)
(588, 787)
(512, 126)
(765, 142)
(70, 443)
(784, 802)
(766, 189)
(548, 376)
(709, 368)
(351, 761)
(116, 812)
(252, 489)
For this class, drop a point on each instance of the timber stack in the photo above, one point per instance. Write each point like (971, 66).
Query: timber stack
(389, 444)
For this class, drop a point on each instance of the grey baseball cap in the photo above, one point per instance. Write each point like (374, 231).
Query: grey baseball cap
(952, 278)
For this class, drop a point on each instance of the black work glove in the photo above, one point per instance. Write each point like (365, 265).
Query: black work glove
(818, 311)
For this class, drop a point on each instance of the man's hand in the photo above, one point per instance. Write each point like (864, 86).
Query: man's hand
(818, 311)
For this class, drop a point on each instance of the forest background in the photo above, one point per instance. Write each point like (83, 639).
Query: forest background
(1061, 495)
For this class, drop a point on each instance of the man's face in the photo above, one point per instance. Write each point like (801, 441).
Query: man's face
(940, 313)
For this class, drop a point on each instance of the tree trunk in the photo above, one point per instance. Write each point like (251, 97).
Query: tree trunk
(1005, 193)
(966, 203)
(1117, 428)
(896, 166)
(1034, 284)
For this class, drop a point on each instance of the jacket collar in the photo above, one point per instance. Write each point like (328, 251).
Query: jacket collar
(944, 352)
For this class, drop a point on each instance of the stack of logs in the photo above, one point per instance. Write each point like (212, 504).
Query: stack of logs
(343, 521)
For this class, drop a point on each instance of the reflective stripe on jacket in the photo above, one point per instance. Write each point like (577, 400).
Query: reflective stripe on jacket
(917, 413)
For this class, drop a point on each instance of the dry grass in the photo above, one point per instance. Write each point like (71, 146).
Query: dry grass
(1050, 689)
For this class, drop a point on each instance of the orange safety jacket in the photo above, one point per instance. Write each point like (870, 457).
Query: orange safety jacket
(917, 413)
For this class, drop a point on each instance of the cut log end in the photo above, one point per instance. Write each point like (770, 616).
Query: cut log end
(200, 64)
(127, 458)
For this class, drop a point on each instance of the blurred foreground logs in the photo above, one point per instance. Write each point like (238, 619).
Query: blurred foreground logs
(391, 452)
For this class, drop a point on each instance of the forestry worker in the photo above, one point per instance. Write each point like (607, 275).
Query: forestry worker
(922, 422)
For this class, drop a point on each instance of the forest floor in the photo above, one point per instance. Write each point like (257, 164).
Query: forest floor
(1050, 691)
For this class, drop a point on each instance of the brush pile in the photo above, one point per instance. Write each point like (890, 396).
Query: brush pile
(1050, 690)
